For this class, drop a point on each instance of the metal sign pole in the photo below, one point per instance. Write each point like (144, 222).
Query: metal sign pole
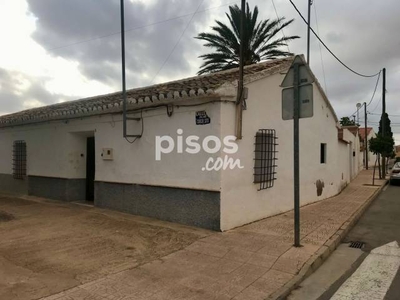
(123, 67)
(239, 100)
(297, 102)
(308, 31)
(296, 156)
(366, 136)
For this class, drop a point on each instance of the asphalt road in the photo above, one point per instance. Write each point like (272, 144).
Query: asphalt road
(381, 225)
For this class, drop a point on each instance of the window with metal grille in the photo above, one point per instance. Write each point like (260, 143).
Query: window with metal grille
(19, 159)
(265, 158)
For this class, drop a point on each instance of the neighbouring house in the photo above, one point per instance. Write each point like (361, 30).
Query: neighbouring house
(397, 151)
(350, 136)
(370, 134)
(187, 166)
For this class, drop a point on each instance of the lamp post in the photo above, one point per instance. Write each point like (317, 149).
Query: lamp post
(358, 105)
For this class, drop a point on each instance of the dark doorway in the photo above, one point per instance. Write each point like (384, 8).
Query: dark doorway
(90, 168)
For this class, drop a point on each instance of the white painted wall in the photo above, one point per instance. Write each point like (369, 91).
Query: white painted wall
(55, 149)
(354, 155)
(136, 163)
(46, 150)
(241, 201)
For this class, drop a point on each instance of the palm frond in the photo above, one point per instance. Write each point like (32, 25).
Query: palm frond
(259, 39)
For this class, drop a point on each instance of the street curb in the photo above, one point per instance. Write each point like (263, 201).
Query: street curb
(325, 251)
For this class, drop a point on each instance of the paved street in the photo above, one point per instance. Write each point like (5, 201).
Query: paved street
(251, 262)
(368, 273)
(87, 253)
(381, 225)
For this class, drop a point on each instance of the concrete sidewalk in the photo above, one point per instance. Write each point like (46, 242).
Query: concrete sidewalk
(255, 261)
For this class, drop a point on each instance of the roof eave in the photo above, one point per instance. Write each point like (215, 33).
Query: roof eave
(131, 107)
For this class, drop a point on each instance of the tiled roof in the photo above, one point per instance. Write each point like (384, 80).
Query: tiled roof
(361, 132)
(188, 88)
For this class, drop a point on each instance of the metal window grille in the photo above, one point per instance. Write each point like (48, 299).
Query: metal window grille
(265, 158)
(19, 159)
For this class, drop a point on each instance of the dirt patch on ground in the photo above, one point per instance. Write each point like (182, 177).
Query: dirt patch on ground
(51, 246)
(4, 217)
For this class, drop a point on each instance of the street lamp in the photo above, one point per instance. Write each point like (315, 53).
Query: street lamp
(358, 105)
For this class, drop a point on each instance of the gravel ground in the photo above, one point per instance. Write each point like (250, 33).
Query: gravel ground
(49, 246)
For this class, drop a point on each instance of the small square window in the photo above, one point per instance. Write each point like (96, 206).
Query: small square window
(323, 154)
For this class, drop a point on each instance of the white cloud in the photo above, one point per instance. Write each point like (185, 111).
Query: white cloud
(26, 57)
(36, 73)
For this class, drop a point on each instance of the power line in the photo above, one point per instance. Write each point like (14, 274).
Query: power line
(329, 50)
(319, 45)
(375, 114)
(283, 33)
(391, 124)
(377, 104)
(138, 27)
(378, 122)
(376, 86)
(177, 42)
(373, 94)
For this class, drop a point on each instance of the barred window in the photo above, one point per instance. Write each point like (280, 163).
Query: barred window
(265, 158)
(19, 159)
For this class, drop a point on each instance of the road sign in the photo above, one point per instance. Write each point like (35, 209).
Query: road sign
(306, 104)
(297, 102)
(305, 76)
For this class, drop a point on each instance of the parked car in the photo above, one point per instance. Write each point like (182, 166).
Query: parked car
(395, 174)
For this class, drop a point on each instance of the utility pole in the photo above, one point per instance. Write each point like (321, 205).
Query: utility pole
(366, 136)
(308, 31)
(296, 155)
(123, 67)
(383, 118)
(239, 99)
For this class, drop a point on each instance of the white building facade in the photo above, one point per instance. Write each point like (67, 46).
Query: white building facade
(175, 171)
(370, 134)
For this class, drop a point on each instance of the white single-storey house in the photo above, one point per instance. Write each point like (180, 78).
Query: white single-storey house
(187, 166)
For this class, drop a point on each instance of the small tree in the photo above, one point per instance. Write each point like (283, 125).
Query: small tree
(383, 144)
(345, 121)
(389, 141)
(388, 128)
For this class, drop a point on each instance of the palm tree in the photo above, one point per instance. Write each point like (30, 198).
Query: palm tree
(260, 42)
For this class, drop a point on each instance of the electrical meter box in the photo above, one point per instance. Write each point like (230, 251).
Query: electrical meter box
(107, 154)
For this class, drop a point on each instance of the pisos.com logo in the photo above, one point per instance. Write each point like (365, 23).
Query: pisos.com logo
(192, 144)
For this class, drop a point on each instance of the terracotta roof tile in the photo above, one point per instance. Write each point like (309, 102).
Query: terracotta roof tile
(361, 131)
